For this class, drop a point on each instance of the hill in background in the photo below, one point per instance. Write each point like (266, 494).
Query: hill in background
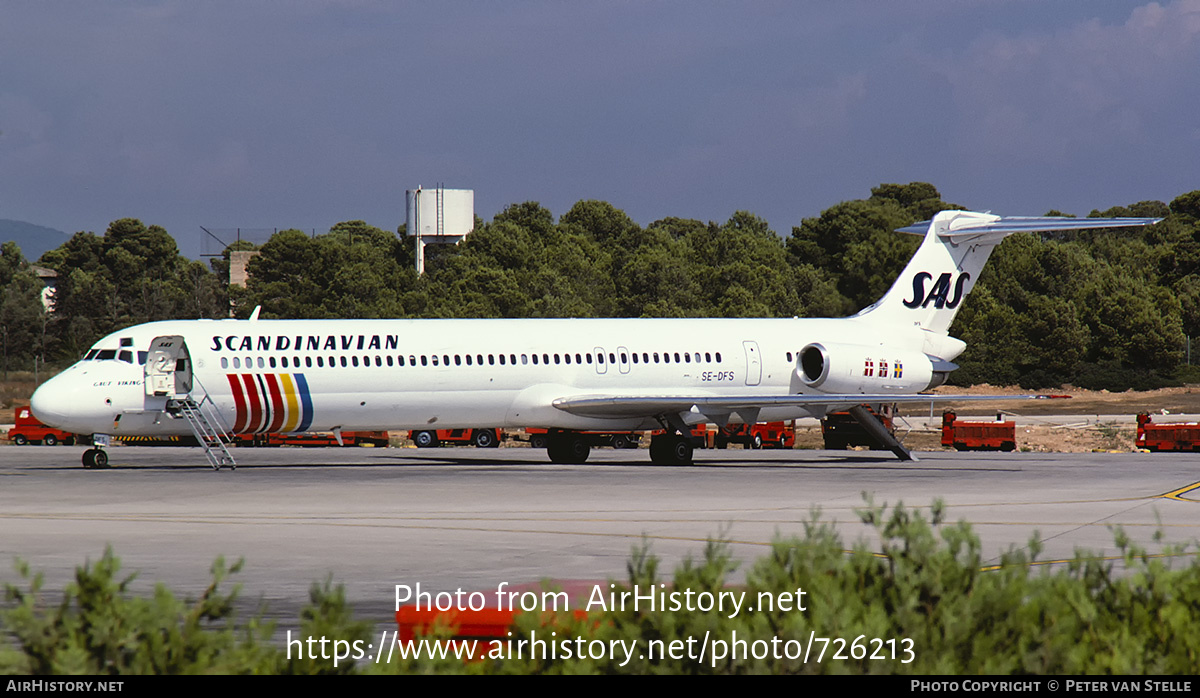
(34, 240)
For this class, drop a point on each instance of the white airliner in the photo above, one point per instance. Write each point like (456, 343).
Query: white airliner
(561, 374)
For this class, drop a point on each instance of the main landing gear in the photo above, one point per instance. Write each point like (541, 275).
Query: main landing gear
(671, 449)
(567, 448)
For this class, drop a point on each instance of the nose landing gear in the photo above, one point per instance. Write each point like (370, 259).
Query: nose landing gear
(95, 458)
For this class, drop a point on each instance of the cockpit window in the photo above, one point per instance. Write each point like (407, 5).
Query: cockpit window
(91, 355)
(126, 356)
(142, 357)
(106, 354)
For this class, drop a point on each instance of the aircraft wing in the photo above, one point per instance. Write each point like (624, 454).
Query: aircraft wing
(615, 406)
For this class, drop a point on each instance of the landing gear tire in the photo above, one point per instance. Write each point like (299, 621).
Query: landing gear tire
(671, 449)
(484, 438)
(95, 458)
(425, 439)
(568, 449)
(49, 440)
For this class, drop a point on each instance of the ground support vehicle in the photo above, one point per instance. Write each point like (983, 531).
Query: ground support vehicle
(539, 438)
(840, 430)
(28, 430)
(476, 627)
(701, 437)
(318, 438)
(761, 435)
(1176, 436)
(480, 438)
(156, 440)
(978, 436)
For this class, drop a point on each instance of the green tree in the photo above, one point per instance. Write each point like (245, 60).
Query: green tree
(855, 241)
(530, 215)
(657, 279)
(599, 220)
(132, 274)
(11, 262)
(750, 273)
(23, 322)
(1135, 326)
(355, 270)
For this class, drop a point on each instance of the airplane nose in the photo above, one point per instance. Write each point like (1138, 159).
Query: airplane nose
(50, 404)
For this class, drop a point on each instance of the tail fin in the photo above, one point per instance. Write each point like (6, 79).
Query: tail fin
(931, 289)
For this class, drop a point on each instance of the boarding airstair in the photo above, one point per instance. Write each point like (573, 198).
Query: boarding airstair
(205, 421)
(169, 377)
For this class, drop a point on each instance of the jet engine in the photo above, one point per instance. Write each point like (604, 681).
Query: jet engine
(851, 368)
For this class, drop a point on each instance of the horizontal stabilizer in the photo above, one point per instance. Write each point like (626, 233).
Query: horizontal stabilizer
(976, 224)
(930, 290)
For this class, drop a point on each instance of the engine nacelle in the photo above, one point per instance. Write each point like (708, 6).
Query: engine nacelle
(851, 368)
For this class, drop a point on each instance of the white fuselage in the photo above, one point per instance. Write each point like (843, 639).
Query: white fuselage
(307, 375)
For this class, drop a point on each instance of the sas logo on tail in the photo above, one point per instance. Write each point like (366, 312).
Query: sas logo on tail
(938, 295)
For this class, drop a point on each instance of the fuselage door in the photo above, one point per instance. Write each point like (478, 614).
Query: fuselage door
(623, 359)
(601, 361)
(753, 363)
(168, 367)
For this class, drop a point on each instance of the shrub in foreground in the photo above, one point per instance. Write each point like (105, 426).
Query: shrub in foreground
(925, 601)
(100, 628)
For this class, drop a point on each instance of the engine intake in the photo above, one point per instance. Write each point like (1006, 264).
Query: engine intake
(814, 366)
(850, 368)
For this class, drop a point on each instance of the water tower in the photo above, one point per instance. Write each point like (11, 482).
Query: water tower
(438, 216)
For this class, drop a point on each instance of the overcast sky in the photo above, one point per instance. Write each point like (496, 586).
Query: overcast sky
(310, 112)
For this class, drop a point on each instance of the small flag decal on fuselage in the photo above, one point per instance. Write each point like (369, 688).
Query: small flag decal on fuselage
(270, 403)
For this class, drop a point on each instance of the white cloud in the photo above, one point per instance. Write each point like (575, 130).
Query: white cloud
(1046, 95)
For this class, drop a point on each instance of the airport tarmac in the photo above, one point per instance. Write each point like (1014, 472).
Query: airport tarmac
(472, 518)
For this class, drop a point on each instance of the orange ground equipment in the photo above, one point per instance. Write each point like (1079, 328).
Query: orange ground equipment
(978, 436)
(480, 438)
(539, 438)
(840, 430)
(486, 625)
(761, 435)
(28, 430)
(317, 438)
(1177, 436)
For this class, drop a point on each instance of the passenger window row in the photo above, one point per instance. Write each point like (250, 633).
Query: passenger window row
(470, 360)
